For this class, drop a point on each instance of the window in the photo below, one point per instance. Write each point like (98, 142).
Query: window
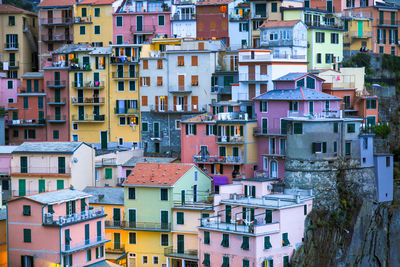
(245, 243)
(206, 238)
(327, 105)
(26, 102)
(82, 30)
(144, 259)
(347, 148)
(267, 242)
(206, 262)
(329, 58)
(30, 134)
(119, 21)
(97, 12)
(132, 86)
(75, 138)
(181, 61)
(27, 236)
(310, 83)
(15, 133)
(155, 259)
(121, 86)
(335, 127)
(194, 61)
(381, 49)
(145, 126)
(84, 12)
(97, 29)
(108, 173)
(264, 106)
(320, 37)
(120, 39)
(132, 238)
(56, 134)
(195, 80)
(274, 7)
(191, 129)
(225, 240)
(286, 261)
(132, 193)
(10, 84)
(61, 164)
(26, 210)
(180, 217)
(161, 20)
(164, 239)
(388, 161)
(351, 128)
(122, 121)
(294, 106)
(164, 194)
(371, 103)
(334, 38)
(245, 262)
(74, 126)
(243, 27)
(225, 261)
(318, 147)
(319, 58)
(297, 128)
(11, 20)
(88, 255)
(285, 240)
(177, 124)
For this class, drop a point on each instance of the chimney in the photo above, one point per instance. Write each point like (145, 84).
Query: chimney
(298, 199)
(101, 197)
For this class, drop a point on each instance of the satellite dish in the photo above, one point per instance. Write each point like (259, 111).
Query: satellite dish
(75, 160)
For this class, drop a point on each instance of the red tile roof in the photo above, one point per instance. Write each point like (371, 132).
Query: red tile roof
(96, 2)
(12, 9)
(157, 174)
(47, 3)
(213, 2)
(276, 24)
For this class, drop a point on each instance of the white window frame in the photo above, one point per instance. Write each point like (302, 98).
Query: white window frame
(119, 121)
(176, 124)
(190, 129)
(77, 138)
(210, 129)
(264, 109)
(122, 19)
(155, 257)
(121, 141)
(147, 259)
(319, 151)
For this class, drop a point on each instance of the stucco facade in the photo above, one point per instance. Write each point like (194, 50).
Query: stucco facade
(8, 90)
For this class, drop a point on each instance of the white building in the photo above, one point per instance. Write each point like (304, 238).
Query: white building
(284, 37)
(239, 26)
(183, 19)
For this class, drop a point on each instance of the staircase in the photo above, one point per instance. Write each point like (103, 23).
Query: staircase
(31, 39)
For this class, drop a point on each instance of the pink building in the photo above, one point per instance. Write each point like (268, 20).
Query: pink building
(8, 90)
(221, 144)
(295, 94)
(137, 22)
(252, 226)
(5, 171)
(55, 228)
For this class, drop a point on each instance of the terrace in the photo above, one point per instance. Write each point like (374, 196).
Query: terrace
(51, 220)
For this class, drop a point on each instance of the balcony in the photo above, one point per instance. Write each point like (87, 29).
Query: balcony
(232, 116)
(259, 15)
(88, 118)
(145, 29)
(87, 100)
(57, 38)
(189, 254)
(83, 20)
(180, 17)
(388, 23)
(217, 159)
(30, 91)
(180, 89)
(13, 65)
(236, 140)
(55, 21)
(88, 85)
(56, 101)
(57, 119)
(318, 24)
(221, 89)
(106, 162)
(56, 84)
(125, 75)
(271, 57)
(79, 67)
(115, 247)
(237, 17)
(124, 60)
(121, 111)
(72, 247)
(324, 114)
(50, 220)
(354, 14)
(25, 122)
(40, 171)
(361, 35)
(269, 131)
(11, 46)
(178, 108)
(139, 226)
(255, 77)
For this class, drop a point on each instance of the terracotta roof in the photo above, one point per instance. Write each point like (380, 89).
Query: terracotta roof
(157, 174)
(12, 9)
(48, 3)
(213, 2)
(96, 2)
(277, 24)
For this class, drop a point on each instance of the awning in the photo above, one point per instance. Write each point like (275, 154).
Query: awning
(220, 180)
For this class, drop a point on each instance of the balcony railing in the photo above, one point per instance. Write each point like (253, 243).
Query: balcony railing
(177, 16)
(178, 108)
(50, 21)
(56, 84)
(24, 90)
(76, 246)
(41, 170)
(50, 219)
(80, 20)
(11, 46)
(335, 25)
(229, 116)
(115, 247)
(139, 226)
(123, 59)
(57, 37)
(323, 114)
(88, 84)
(144, 29)
(230, 139)
(25, 122)
(57, 119)
(364, 34)
(126, 110)
(88, 118)
(190, 254)
(56, 101)
(13, 64)
(106, 162)
(259, 15)
(87, 100)
(221, 89)
(79, 67)
(268, 131)
(180, 89)
(389, 23)
(255, 77)
(267, 57)
(218, 159)
(125, 75)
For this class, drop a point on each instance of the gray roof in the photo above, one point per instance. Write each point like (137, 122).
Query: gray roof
(48, 147)
(33, 75)
(105, 195)
(101, 51)
(292, 76)
(3, 214)
(296, 94)
(7, 149)
(135, 160)
(59, 196)
(69, 48)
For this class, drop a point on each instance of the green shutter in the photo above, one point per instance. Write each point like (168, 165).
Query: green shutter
(180, 218)
(267, 242)
(298, 128)
(206, 237)
(61, 164)
(22, 187)
(83, 205)
(324, 147)
(245, 263)
(97, 12)
(187, 129)
(194, 129)
(207, 130)
(245, 243)
(241, 130)
(24, 164)
(108, 173)
(285, 239)
(60, 184)
(384, 36)
(268, 216)
(27, 235)
(42, 186)
(67, 208)
(313, 147)
(73, 207)
(283, 127)
(98, 230)
(335, 127)
(87, 234)
(206, 261)
(84, 13)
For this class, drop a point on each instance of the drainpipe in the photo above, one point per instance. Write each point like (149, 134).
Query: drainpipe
(109, 111)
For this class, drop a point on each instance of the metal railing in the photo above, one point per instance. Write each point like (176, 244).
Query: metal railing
(217, 159)
(62, 37)
(56, 21)
(271, 57)
(115, 247)
(88, 117)
(87, 100)
(188, 253)
(228, 116)
(183, 16)
(79, 20)
(364, 34)
(56, 101)
(221, 89)
(106, 162)
(123, 59)
(13, 64)
(56, 84)
(230, 139)
(50, 219)
(74, 246)
(125, 75)
(268, 131)
(144, 29)
(144, 226)
(41, 170)
(126, 110)
(178, 108)
(388, 22)
(323, 114)
(78, 67)
(337, 25)
(57, 118)
(24, 90)
(88, 84)
(253, 77)
(11, 46)
(22, 122)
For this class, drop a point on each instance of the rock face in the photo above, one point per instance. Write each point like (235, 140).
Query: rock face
(346, 226)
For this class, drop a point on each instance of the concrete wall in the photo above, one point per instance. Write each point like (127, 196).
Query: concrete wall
(384, 177)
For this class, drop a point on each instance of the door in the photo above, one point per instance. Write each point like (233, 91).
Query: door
(12, 60)
(156, 130)
(80, 96)
(42, 186)
(57, 96)
(132, 218)
(60, 184)
(164, 219)
(181, 244)
(117, 216)
(21, 187)
(81, 113)
(181, 82)
(183, 197)
(50, 16)
(117, 241)
(103, 140)
(228, 212)
(360, 28)
(139, 23)
(273, 170)
(79, 79)
(96, 79)
(57, 113)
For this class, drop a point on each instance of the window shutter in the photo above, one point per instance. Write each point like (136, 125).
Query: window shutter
(215, 129)
(384, 36)
(141, 81)
(144, 100)
(207, 130)
(194, 61)
(194, 129)
(145, 64)
(241, 130)
(148, 81)
(195, 103)
(324, 147)
(156, 101)
(232, 130)
(313, 145)
(187, 129)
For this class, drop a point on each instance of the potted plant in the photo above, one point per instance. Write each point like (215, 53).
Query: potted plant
(165, 7)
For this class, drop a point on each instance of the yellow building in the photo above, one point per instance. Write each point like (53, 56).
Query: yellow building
(3, 237)
(93, 22)
(358, 33)
(158, 45)
(112, 200)
(18, 41)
